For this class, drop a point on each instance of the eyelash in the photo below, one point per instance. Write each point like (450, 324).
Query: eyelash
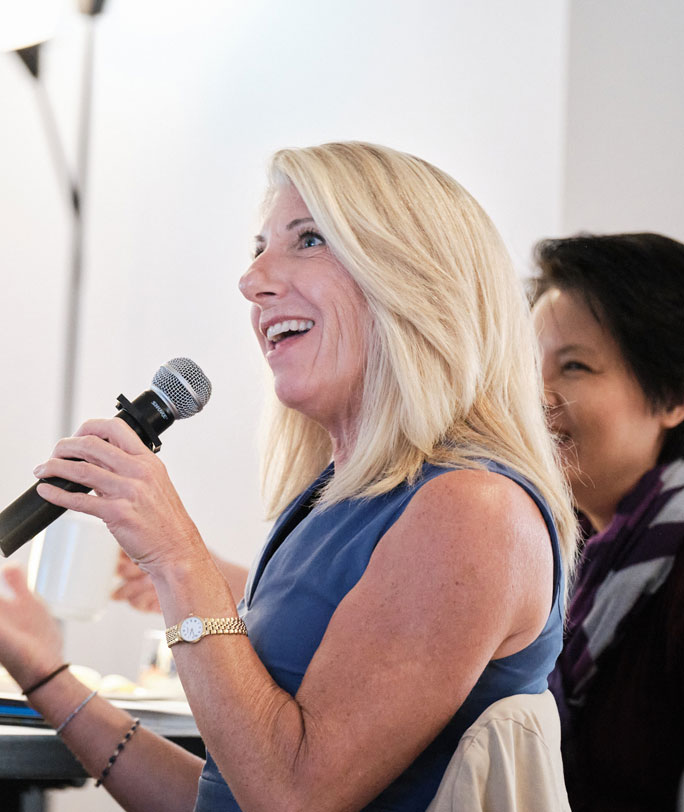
(308, 232)
(301, 235)
(575, 366)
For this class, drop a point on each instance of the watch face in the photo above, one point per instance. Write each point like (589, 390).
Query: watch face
(191, 629)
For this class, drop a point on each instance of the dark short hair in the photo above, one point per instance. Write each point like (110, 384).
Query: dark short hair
(634, 286)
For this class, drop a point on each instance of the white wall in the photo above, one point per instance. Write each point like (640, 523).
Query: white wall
(187, 110)
(625, 141)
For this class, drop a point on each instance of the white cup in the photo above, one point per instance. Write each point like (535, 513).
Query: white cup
(72, 566)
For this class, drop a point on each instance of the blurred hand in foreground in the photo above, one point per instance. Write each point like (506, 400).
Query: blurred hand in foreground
(138, 590)
(30, 639)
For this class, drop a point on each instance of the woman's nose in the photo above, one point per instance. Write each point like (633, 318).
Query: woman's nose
(261, 280)
(551, 396)
(550, 391)
(553, 390)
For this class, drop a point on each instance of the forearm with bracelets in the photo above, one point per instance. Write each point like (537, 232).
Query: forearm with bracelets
(143, 772)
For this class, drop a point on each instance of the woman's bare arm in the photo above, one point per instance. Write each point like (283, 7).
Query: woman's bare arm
(463, 576)
(151, 773)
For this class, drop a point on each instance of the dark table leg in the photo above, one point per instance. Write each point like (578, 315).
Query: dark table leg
(23, 796)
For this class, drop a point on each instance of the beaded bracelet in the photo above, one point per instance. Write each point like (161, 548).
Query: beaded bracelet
(119, 747)
(74, 712)
(45, 680)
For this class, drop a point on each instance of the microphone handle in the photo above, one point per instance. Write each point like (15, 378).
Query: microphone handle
(30, 513)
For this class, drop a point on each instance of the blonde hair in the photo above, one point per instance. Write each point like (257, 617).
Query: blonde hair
(451, 374)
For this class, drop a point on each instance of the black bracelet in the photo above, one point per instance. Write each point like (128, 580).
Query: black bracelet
(119, 747)
(45, 680)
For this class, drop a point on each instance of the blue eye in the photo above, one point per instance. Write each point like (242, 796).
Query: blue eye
(310, 239)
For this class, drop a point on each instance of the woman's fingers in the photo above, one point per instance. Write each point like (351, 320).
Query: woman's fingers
(82, 472)
(131, 490)
(97, 462)
(15, 579)
(90, 448)
(14, 587)
(137, 588)
(80, 502)
(127, 568)
(140, 593)
(115, 432)
(109, 444)
(30, 643)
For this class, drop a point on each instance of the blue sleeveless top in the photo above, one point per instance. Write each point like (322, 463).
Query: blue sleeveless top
(307, 567)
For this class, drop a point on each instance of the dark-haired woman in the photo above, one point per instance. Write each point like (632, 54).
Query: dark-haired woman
(610, 319)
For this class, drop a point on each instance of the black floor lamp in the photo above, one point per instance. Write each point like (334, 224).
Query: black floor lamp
(51, 566)
(75, 184)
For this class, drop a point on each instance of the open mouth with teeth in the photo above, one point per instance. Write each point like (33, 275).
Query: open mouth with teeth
(288, 329)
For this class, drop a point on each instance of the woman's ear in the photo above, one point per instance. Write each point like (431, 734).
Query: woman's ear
(673, 416)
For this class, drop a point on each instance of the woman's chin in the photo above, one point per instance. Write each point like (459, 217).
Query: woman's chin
(291, 395)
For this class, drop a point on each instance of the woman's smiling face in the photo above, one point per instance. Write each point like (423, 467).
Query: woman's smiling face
(610, 434)
(309, 316)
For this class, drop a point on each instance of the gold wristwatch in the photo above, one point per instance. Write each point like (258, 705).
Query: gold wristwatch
(194, 628)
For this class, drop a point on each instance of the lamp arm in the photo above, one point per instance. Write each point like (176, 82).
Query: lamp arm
(76, 185)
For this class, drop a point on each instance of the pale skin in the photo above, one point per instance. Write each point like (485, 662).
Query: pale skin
(464, 576)
(610, 434)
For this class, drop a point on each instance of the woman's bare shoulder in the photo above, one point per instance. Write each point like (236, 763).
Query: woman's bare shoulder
(494, 505)
(478, 536)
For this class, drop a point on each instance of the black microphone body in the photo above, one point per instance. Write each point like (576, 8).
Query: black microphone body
(148, 415)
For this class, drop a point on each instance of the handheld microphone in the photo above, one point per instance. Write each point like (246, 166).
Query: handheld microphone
(179, 389)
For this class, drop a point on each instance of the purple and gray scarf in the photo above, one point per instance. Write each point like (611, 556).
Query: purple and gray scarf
(621, 568)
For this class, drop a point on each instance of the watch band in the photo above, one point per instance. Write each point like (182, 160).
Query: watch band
(211, 625)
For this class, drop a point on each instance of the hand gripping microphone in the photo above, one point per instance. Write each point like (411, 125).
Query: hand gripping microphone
(179, 389)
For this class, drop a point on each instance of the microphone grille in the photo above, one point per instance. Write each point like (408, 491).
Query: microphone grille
(184, 384)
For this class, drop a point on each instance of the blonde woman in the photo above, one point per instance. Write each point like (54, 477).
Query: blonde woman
(414, 573)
